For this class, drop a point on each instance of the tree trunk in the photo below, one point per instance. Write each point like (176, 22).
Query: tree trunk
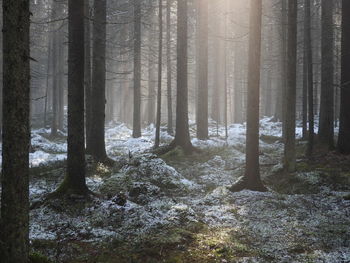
(182, 134)
(54, 122)
(169, 73)
(87, 76)
(290, 115)
(284, 18)
(309, 73)
(98, 92)
(151, 101)
(14, 232)
(202, 88)
(344, 128)
(137, 70)
(74, 181)
(252, 170)
(326, 128)
(159, 93)
(60, 77)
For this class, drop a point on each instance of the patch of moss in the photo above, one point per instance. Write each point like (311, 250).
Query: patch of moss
(36, 257)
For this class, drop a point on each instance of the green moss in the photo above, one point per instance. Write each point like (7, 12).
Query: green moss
(36, 257)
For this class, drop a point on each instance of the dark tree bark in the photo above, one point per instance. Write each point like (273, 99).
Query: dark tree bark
(98, 92)
(284, 29)
(309, 73)
(290, 115)
(60, 72)
(202, 88)
(326, 128)
(54, 122)
(160, 61)
(14, 228)
(48, 72)
(169, 73)
(182, 133)
(344, 128)
(74, 181)
(137, 70)
(87, 74)
(251, 178)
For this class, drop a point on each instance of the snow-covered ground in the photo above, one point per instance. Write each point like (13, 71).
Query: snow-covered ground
(160, 195)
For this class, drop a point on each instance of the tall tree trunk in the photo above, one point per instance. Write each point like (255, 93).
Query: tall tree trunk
(98, 92)
(182, 133)
(202, 88)
(151, 112)
(159, 93)
(60, 77)
(74, 181)
(344, 128)
(48, 72)
(54, 122)
(290, 115)
(87, 76)
(169, 73)
(137, 70)
(326, 128)
(238, 90)
(284, 18)
(14, 229)
(309, 72)
(251, 178)
(305, 76)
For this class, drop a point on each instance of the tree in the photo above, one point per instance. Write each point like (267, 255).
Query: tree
(251, 179)
(87, 75)
(344, 128)
(169, 73)
(159, 93)
(308, 71)
(290, 114)
(14, 231)
(202, 88)
(326, 128)
(137, 70)
(98, 92)
(182, 133)
(74, 181)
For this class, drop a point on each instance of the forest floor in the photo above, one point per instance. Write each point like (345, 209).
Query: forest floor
(177, 208)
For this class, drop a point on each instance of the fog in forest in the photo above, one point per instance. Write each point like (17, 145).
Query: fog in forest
(175, 131)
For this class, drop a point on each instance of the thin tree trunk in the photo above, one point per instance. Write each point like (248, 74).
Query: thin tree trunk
(290, 115)
(310, 84)
(169, 73)
(60, 82)
(344, 127)
(202, 88)
(284, 17)
(48, 72)
(137, 70)
(159, 93)
(87, 76)
(54, 121)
